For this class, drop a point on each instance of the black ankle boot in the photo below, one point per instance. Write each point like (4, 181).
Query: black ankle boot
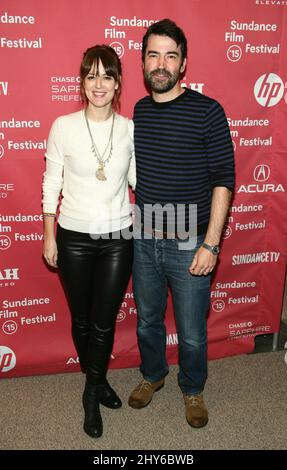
(93, 424)
(108, 397)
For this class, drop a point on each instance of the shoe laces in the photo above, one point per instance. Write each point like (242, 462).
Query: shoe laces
(193, 400)
(144, 384)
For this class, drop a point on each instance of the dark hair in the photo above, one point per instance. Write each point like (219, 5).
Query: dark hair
(111, 63)
(168, 28)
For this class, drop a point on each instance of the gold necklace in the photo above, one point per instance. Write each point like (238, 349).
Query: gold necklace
(100, 174)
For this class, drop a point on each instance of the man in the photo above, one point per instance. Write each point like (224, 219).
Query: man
(184, 157)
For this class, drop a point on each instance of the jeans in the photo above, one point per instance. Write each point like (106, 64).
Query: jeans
(95, 274)
(158, 263)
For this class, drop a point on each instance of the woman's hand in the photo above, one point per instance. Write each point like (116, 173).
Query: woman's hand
(50, 252)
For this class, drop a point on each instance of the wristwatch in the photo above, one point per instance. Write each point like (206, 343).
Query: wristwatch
(214, 249)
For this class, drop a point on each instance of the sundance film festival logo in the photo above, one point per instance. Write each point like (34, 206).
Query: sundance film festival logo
(234, 53)
(121, 316)
(7, 359)
(119, 48)
(5, 242)
(227, 232)
(9, 327)
(268, 90)
(218, 305)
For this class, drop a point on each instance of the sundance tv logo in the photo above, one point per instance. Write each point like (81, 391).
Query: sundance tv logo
(268, 90)
(7, 359)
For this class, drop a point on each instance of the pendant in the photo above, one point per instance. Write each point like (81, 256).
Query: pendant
(100, 174)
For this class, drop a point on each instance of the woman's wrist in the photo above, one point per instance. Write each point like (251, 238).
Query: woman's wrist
(49, 214)
(49, 238)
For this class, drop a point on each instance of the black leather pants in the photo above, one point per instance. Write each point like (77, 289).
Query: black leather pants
(95, 274)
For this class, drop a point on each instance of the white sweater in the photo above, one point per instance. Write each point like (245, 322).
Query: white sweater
(89, 205)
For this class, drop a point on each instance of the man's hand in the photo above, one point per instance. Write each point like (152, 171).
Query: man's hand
(203, 262)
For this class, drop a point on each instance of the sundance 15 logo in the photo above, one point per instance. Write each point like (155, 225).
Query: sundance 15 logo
(7, 359)
(119, 48)
(269, 89)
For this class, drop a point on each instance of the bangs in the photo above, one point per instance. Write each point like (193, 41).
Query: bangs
(111, 64)
(92, 60)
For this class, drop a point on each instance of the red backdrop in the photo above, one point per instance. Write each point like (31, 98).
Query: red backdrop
(237, 55)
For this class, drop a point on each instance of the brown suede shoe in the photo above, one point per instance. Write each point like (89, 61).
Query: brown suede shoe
(195, 410)
(142, 395)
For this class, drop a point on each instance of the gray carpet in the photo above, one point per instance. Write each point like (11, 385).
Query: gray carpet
(245, 395)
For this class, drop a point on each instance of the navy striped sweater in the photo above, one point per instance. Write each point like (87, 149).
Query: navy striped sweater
(183, 150)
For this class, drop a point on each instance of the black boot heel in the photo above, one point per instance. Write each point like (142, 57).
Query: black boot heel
(93, 424)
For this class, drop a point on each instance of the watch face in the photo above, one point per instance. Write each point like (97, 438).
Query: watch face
(214, 249)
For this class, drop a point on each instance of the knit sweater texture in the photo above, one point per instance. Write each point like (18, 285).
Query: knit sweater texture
(183, 150)
(89, 205)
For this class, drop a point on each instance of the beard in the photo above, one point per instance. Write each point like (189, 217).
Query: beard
(158, 85)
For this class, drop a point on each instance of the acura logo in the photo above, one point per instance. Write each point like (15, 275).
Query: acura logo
(261, 173)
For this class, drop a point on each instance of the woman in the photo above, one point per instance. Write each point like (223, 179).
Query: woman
(90, 159)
